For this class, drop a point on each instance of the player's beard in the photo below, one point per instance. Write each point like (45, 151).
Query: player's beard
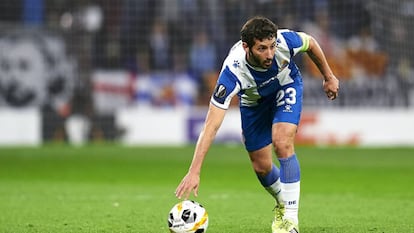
(265, 64)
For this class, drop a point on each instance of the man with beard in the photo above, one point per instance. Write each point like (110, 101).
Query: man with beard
(260, 70)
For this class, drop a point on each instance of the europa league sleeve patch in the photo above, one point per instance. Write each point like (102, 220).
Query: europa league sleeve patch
(220, 93)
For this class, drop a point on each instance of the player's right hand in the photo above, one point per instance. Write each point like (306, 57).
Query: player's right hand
(188, 184)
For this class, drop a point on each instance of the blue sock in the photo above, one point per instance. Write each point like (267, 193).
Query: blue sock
(270, 178)
(289, 169)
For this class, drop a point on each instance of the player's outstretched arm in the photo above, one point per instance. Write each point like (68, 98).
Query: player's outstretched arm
(191, 180)
(330, 82)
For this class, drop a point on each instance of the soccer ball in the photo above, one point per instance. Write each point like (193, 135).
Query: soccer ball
(188, 217)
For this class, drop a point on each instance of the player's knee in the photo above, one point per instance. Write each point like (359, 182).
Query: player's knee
(261, 170)
(283, 147)
(262, 167)
(283, 137)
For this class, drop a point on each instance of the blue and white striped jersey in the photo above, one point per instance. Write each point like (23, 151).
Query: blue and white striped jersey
(253, 84)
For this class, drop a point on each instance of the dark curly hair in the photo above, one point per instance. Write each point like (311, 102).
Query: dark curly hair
(258, 27)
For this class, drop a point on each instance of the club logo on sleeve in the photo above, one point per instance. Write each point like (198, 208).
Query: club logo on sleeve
(220, 91)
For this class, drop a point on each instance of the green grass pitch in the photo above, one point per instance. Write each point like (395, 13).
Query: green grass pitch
(110, 188)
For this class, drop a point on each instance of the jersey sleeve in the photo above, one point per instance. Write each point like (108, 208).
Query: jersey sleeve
(226, 88)
(296, 41)
(305, 40)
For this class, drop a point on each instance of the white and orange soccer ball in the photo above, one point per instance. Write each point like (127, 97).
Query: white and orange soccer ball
(188, 217)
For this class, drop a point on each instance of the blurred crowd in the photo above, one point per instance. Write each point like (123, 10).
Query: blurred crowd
(192, 37)
(195, 35)
(107, 54)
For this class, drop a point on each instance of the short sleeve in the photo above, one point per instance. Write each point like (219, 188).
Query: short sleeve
(226, 88)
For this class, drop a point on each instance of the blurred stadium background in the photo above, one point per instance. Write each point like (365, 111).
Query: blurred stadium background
(141, 71)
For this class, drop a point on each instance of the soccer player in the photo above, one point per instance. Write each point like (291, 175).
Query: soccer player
(259, 69)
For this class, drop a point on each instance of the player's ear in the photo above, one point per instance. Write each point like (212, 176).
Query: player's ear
(245, 47)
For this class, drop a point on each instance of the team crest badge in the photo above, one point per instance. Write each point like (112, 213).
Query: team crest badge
(236, 64)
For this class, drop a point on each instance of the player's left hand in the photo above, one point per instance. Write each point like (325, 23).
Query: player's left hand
(331, 87)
